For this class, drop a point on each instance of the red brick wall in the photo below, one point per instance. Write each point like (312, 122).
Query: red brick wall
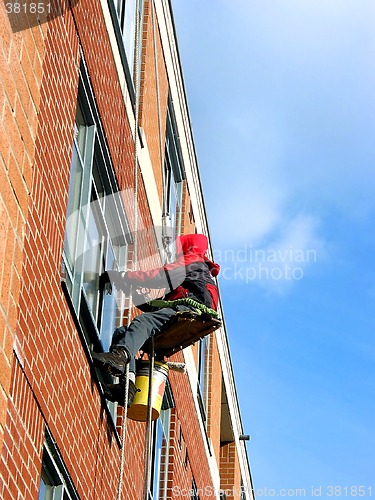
(21, 56)
(230, 477)
(187, 217)
(23, 442)
(193, 440)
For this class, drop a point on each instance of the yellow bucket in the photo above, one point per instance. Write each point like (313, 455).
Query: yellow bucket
(138, 410)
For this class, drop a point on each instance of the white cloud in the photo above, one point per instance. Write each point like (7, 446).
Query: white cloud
(283, 117)
(277, 261)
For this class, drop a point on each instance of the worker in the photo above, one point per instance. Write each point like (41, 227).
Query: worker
(190, 275)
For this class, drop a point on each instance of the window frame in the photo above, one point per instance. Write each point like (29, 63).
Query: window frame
(53, 467)
(118, 22)
(161, 432)
(173, 172)
(91, 208)
(113, 218)
(203, 376)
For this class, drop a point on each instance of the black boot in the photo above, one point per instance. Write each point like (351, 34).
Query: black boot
(116, 392)
(114, 362)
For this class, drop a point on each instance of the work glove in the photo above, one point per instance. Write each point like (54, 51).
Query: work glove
(116, 278)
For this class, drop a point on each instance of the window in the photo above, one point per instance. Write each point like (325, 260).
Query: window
(203, 355)
(96, 235)
(160, 456)
(173, 173)
(125, 20)
(55, 483)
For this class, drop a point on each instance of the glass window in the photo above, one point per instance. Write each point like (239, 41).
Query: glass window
(173, 192)
(126, 17)
(82, 157)
(160, 456)
(54, 482)
(96, 235)
(173, 174)
(203, 355)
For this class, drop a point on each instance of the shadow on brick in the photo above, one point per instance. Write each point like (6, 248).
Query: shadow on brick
(25, 14)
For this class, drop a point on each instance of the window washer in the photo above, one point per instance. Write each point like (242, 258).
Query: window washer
(189, 276)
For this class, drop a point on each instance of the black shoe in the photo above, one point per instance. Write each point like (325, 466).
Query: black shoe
(116, 393)
(113, 362)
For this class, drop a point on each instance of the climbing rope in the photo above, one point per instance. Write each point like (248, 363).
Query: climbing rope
(161, 149)
(164, 210)
(135, 243)
(123, 433)
(148, 431)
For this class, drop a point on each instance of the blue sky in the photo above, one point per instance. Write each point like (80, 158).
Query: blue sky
(282, 102)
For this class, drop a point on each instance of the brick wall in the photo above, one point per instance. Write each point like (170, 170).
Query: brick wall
(230, 478)
(192, 439)
(23, 442)
(187, 216)
(21, 57)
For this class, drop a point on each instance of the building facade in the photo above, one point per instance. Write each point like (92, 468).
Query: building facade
(97, 165)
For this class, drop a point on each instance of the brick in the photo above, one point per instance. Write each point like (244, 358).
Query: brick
(3, 403)
(18, 255)
(27, 135)
(18, 76)
(4, 227)
(4, 144)
(5, 31)
(7, 343)
(18, 185)
(31, 81)
(16, 143)
(4, 293)
(7, 80)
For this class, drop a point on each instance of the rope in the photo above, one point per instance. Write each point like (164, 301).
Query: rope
(201, 308)
(164, 210)
(161, 150)
(148, 431)
(123, 433)
(135, 246)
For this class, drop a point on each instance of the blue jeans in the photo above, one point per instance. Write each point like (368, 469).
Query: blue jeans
(141, 328)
